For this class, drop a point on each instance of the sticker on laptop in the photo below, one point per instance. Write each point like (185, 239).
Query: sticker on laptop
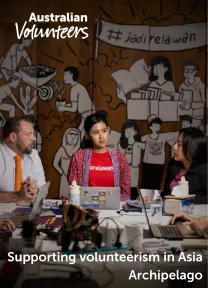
(109, 193)
(95, 202)
(90, 205)
(95, 198)
(102, 198)
(84, 193)
(102, 193)
(102, 202)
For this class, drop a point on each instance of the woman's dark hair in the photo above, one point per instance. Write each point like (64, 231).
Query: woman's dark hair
(161, 60)
(89, 122)
(123, 139)
(194, 145)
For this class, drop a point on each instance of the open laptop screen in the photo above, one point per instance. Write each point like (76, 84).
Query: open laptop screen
(42, 194)
(145, 212)
(102, 198)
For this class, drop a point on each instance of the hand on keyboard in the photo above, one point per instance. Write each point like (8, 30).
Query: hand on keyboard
(182, 217)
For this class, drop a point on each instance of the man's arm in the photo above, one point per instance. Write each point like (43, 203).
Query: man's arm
(27, 192)
(28, 189)
(6, 197)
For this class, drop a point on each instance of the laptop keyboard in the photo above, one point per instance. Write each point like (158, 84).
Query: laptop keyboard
(170, 231)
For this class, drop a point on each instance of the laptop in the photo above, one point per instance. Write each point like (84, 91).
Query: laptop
(102, 198)
(20, 213)
(171, 232)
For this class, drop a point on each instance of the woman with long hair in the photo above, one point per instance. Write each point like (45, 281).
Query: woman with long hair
(190, 161)
(161, 74)
(98, 165)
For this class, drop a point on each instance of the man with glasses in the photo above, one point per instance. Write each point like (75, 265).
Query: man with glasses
(193, 83)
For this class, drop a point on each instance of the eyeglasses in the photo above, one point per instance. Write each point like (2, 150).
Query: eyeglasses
(190, 71)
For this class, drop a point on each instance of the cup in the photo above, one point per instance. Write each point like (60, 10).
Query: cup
(134, 232)
(155, 212)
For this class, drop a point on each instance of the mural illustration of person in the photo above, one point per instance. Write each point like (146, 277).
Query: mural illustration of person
(186, 121)
(160, 77)
(154, 155)
(161, 74)
(5, 91)
(194, 84)
(14, 56)
(2, 120)
(113, 138)
(39, 142)
(130, 144)
(70, 144)
(79, 97)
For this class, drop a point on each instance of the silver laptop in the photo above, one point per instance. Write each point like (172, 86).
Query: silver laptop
(101, 198)
(19, 215)
(174, 232)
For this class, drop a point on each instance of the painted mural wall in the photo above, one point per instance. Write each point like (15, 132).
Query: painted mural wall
(143, 64)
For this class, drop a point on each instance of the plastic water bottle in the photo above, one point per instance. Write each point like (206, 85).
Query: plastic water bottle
(156, 208)
(184, 187)
(74, 193)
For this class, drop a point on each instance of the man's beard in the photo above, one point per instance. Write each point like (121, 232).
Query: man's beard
(25, 150)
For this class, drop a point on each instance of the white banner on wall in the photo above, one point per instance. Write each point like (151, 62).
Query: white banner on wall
(153, 38)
